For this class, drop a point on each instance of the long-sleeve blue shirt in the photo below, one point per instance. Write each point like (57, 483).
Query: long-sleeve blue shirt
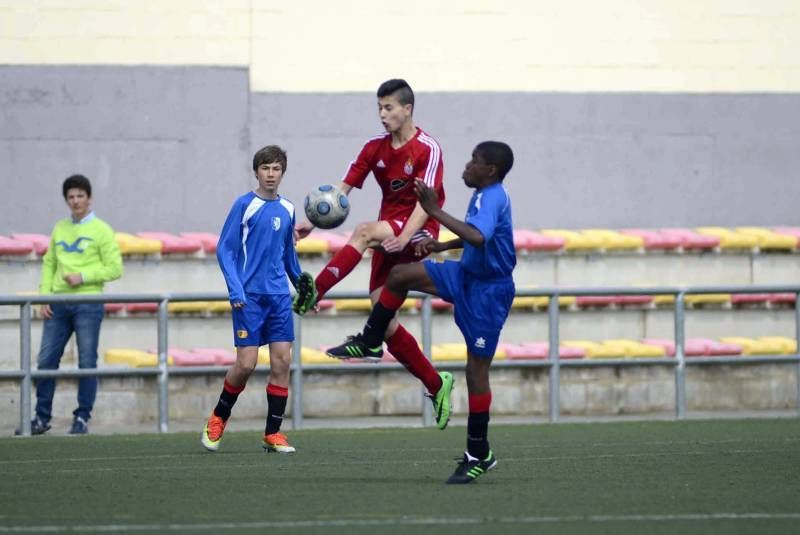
(256, 247)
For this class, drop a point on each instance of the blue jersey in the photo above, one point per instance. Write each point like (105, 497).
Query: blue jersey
(489, 211)
(256, 247)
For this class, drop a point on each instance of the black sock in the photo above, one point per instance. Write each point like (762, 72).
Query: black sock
(226, 402)
(376, 324)
(477, 434)
(276, 406)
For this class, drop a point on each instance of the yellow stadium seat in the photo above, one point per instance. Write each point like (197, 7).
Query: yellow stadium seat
(130, 244)
(730, 239)
(219, 306)
(613, 240)
(365, 304)
(446, 235)
(708, 299)
(315, 356)
(311, 245)
(788, 345)
(769, 239)
(636, 349)
(751, 346)
(263, 356)
(527, 302)
(148, 360)
(449, 352)
(596, 350)
(575, 241)
(183, 307)
(122, 356)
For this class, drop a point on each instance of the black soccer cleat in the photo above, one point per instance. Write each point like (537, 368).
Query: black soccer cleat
(355, 348)
(469, 469)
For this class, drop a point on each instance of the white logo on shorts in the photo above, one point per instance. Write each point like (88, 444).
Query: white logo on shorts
(480, 342)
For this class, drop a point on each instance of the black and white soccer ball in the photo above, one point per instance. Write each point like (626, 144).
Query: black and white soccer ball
(326, 206)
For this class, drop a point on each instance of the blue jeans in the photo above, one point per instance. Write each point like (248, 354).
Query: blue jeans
(84, 320)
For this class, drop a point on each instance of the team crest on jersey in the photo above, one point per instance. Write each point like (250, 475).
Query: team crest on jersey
(276, 223)
(241, 333)
(408, 168)
(397, 184)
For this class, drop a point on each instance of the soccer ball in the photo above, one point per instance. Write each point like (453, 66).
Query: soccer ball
(326, 206)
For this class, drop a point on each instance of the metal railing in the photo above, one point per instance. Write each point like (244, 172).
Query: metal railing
(553, 363)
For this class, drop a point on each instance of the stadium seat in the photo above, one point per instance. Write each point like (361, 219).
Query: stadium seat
(206, 239)
(219, 307)
(130, 244)
(691, 347)
(782, 299)
(749, 299)
(730, 239)
(437, 303)
(528, 240)
(595, 350)
(334, 241)
(141, 307)
(188, 307)
(691, 240)
(364, 304)
(751, 346)
(788, 345)
(541, 350)
(222, 357)
(122, 356)
(10, 247)
(634, 349)
(40, 242)
(615, 241)
(654, 240)
(315, 356)
(311, 245)
(182, 357)
(449, 352)
(113, 308)
(172, 244)
(594, 300)
(695, 299)
(325, 304)
(575, 241)
(793, 232)
(768, 239)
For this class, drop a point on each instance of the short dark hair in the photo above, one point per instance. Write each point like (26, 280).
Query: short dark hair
(79, 182)
(399, 88)
(270, 154)
(498, 154)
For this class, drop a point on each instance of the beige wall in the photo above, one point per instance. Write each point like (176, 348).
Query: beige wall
(467, 45)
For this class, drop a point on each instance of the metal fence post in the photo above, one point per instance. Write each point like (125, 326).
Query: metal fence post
(297, 375)
(554, 356)
(25, 363)
(680, 358)
(427, 320)
(163, 373)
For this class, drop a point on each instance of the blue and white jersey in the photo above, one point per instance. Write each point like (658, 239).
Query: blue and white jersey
(256, 247)
(489, 211)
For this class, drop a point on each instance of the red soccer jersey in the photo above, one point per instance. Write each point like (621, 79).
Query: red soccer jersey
(395, 171)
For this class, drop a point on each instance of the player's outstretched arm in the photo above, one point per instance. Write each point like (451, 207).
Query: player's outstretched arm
(430, 203)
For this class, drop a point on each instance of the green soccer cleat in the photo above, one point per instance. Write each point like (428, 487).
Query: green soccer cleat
(355, 348)
(469, 469)
(306, 296)
(442, 406)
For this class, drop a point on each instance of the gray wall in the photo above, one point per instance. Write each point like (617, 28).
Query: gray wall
(170, 148)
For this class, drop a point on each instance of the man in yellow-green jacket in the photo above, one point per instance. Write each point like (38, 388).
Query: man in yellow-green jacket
(83, 256)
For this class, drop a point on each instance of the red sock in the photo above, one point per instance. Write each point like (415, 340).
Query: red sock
(391, 300)
(405, 349)
(232, 389)
(339, 266)
(480, 402)
(276, 390)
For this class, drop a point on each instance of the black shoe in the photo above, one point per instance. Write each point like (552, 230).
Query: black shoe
(38, 427)
(355, 348)
(469, 469)
(79, 426)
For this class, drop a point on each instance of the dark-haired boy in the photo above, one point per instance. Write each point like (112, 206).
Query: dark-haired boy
(479, 285)
(256, 253)
(83, 255)
(397, 158)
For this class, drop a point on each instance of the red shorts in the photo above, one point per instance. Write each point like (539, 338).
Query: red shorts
(383, 262)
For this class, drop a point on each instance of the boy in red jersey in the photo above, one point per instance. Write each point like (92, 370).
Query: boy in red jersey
(396, 158)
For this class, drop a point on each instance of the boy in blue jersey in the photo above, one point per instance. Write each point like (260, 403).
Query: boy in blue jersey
(256, 253)
(479, 285)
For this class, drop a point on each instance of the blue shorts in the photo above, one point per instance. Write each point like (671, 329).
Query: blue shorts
(481, 307)
(263, 319)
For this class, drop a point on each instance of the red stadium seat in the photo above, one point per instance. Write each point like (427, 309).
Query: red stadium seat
(15, 247)
(206, 239)
(789, 231)
(182, 357)
(40, 242)
(172, 244)
(528, 240)
(691, 239)
(749, 299)
(141, 307)
(112, 308)
(654, 239)
(782, 299)
(221, 357)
